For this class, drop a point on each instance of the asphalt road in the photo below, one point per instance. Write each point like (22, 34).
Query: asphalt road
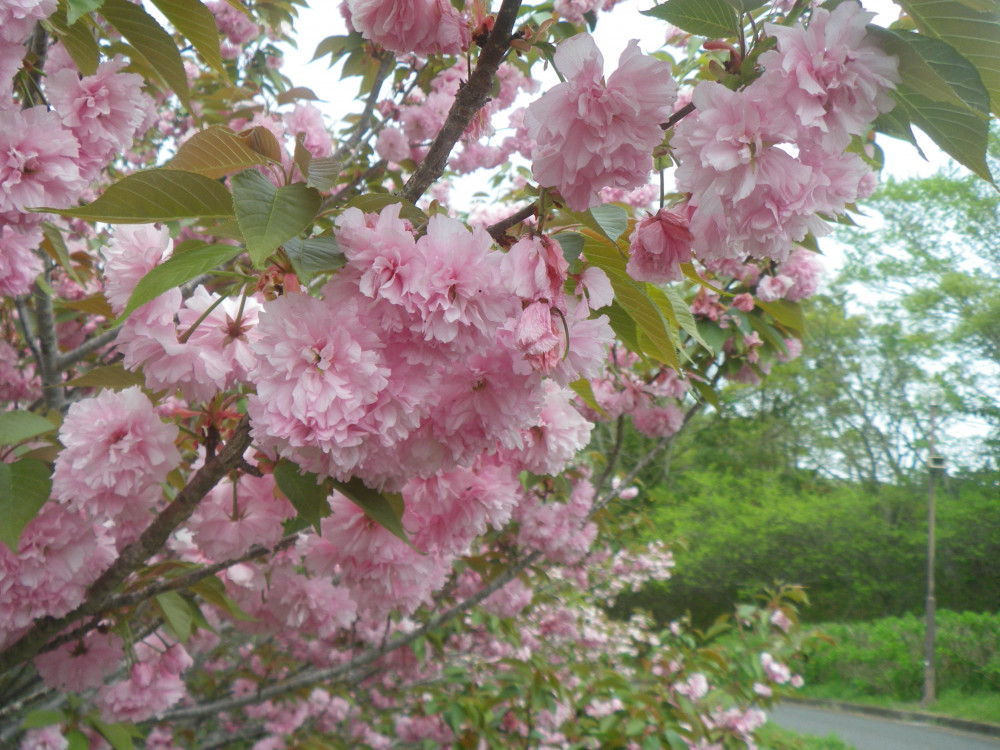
(874, 733)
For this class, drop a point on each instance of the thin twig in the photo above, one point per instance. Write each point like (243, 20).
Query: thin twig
(386, 66)
(67, 360)
(498, 230)
(678, 116)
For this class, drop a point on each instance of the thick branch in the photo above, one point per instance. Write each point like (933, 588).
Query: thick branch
(133, 556)
(48, 343)
(471, 98)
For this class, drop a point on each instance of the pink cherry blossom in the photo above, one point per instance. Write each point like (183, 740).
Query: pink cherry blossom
(59, 555)
(831, 75)
(103, 111)
(590, 134)
(420, 26)
(81, 665)
(38, 164)
(231, 519)
(133, 251)
(18, 263)
(658, 421)
(658, 246)
(117, 451)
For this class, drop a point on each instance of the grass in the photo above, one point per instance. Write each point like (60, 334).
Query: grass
(772, 737)
(954, 703)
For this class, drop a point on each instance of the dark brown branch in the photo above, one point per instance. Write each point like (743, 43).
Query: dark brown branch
(471, 98)
(678, 116)
(498, 230)
(133, 556)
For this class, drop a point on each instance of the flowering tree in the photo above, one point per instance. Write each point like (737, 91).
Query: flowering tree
(295, 453)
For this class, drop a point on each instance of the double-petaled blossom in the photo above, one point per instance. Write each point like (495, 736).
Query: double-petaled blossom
(402, 26)
(117, 451)
(658, 245)
(38, 164)
(591, 134)
(831, 75)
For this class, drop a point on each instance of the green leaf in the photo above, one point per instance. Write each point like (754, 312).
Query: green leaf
(323, 172)
(176, 611)
(788, 314)
(119, 735)
(571, 244)
(385, 509)
(42, 718)
(375, 202)
(18, 426)
(896, 124)
(196, 22)
(115, 377)
(77, 740)
(624, 327)
(705, 391)
(215, 152)
(679, 311)
(156, 195)
(613, 220)
(149, 39)
(25, 485)
(55, 246)
(268, 215)
(177, 270)
(304, 492)
(213, 591)
(934, 69)
(655, 337)
(976, 36)
(337, 46)
(715, 19)
(294, 94)
(77, 38)
(584, 390)
(314, 255)
(958, 131)
(78, 8)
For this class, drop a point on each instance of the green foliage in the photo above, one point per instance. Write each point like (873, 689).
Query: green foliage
(772, 737)
(885, 657)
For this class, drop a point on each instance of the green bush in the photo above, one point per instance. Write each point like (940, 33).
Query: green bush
(885, 657)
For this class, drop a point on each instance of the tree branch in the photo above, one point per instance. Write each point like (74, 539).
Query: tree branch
(48, 343)
(312, 677)
(498, 230)
(151, 542)
(468, 101)
(386, 66)
(173, 584)
(67, 360)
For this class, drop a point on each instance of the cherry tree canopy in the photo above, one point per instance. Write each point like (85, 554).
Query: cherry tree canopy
(293, 453)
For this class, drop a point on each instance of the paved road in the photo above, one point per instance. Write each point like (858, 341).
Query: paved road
(874, 733)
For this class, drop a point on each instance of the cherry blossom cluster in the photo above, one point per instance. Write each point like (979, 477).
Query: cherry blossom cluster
(53, 153)
(763, 163)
